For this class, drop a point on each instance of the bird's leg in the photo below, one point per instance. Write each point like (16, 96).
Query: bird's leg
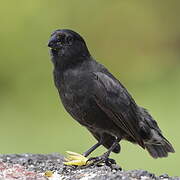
(104, 157)
(89, 151)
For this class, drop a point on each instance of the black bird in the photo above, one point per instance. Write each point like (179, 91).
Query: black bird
(98, 101)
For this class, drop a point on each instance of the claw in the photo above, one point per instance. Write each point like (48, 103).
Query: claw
(101, 160)
(75, 159)
(96, 161)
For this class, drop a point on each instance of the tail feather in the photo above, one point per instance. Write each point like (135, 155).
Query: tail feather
(160, 150)
(155, 143)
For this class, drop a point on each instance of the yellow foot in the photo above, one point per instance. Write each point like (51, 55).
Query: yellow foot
(75, 159)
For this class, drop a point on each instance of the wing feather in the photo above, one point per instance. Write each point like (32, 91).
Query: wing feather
(112, 97)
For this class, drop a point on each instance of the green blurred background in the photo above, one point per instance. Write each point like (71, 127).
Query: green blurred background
(139, 41)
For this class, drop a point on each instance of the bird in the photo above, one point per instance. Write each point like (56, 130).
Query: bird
(97, 100)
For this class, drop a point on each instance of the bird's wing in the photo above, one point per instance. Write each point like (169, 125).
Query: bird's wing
(116, 102)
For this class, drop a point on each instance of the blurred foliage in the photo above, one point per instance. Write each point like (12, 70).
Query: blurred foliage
(139, 41)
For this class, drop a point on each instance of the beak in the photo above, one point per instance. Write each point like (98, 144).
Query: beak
(52, 42)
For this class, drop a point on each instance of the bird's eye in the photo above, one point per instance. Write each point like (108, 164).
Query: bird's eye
(69, 40)
(61, 38)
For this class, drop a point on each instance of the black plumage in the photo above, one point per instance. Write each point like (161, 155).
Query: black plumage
(98, 101)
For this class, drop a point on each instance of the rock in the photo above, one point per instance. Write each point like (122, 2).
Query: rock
(50, 166)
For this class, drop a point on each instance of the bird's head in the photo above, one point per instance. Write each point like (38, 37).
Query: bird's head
(67, 44)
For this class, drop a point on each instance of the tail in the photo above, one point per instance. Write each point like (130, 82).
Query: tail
(155, 143)
(161, 149)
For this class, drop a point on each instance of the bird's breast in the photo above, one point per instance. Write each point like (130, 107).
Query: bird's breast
(75, 94)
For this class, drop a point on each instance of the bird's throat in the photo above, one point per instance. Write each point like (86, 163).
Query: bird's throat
(62, 63)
